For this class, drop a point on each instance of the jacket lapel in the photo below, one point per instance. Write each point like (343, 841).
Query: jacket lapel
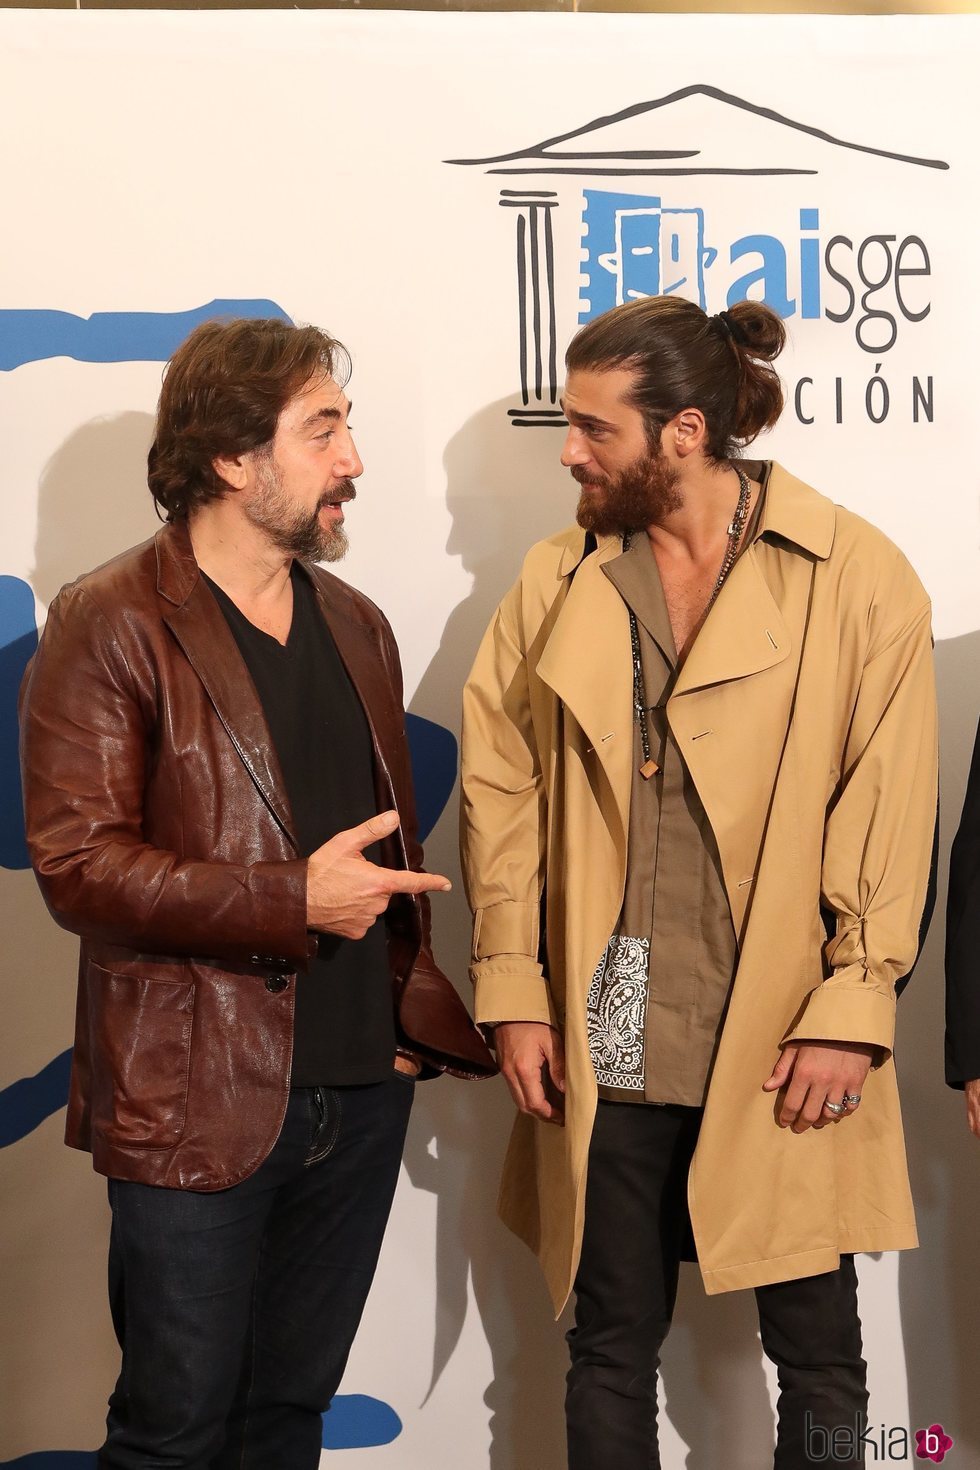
(360, 654)
(358, 644)
(200, 628)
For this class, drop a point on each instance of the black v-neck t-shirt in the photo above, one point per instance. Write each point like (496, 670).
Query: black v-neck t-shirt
(345, 1029)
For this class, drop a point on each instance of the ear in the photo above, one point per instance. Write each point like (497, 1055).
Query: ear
(688, 431)
(232, 471)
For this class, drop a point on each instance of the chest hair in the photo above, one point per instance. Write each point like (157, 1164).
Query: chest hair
(687, 594)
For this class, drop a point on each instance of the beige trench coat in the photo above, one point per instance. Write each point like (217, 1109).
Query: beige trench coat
(806, 713)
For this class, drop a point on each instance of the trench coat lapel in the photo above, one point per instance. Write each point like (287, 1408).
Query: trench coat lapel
(731, 709)
(746, 632)
(199, 626)
(733, 702)
(743, 634)
(586, 662)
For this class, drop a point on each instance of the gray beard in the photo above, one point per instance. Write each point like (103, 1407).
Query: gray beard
(298, 535)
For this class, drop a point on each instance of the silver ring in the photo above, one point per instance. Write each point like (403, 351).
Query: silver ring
(835, 1108)
(853, 1098)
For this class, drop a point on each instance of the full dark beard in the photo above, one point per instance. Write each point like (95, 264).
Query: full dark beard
(643, 495)
(301, 535)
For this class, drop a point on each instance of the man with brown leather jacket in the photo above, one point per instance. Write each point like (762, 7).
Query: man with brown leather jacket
(219, 802)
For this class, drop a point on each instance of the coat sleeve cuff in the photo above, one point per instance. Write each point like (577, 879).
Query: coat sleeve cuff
(278, 892)
(848, 1007)
(511, 988)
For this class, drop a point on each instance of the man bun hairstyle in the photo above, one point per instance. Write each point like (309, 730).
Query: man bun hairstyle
(684, 358)
(223, 391)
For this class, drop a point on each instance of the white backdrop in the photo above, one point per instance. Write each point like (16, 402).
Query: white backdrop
(409, 182)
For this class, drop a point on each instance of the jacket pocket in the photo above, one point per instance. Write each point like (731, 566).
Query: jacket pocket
(141, 1053)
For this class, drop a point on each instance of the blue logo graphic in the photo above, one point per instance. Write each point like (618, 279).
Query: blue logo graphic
(434, 759)
(354, 1421)
(635, 247)
(111, 336)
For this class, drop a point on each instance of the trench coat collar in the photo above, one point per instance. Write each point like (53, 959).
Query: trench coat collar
(793, 511)
(746, 631)
(798, 514)
(586, 660)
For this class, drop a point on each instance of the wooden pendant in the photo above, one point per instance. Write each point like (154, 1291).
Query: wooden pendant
(648, 769)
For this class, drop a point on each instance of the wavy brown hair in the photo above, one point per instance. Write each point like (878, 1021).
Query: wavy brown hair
(685, 359)
(223, 391)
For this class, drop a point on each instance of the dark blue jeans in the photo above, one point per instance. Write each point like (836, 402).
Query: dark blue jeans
(236, 1310)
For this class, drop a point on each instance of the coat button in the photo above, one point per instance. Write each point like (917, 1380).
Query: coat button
(276, 983)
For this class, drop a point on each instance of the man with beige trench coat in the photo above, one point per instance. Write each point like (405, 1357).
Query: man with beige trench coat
(699, 791)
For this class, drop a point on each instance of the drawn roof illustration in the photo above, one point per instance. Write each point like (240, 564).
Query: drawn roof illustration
(766, 142)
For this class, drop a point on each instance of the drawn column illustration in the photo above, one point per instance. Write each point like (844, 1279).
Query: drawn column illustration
(537, 327)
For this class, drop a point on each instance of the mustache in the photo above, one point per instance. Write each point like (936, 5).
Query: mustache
(345, 491)
(583, 478)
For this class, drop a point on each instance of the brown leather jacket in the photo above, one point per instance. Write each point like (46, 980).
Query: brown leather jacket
(160, 832)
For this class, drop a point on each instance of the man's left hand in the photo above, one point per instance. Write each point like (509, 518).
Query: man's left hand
(815, 1073)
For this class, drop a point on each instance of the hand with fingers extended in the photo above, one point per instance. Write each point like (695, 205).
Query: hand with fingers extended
(532, 1058)
(822, 1081)
(345, 893)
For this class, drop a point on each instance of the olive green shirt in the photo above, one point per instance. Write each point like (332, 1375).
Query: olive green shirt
(657, 1000)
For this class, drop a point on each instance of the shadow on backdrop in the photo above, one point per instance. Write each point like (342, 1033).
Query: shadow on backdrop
(92, 500)
(506, 490)
(939, 1284)
(55, 1333)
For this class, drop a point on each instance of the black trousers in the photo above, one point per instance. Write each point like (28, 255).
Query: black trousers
(236, 1310)
(636, 1223)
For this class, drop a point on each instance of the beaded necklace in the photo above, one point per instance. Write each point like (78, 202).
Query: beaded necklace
(649, 767)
